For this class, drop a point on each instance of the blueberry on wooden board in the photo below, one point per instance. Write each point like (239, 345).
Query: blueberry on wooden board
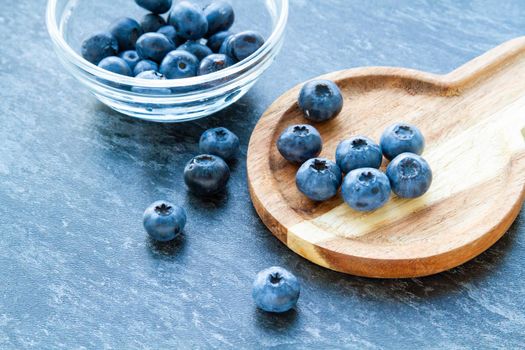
(320, 100)
(319, 179)
(410, 175)
(298, 143)
(366, 189)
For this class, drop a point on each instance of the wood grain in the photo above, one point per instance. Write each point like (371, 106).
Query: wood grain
(473, 120)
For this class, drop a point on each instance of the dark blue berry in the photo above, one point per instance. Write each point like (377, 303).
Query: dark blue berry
(219, 142)
(206, 175)
(171, 33)
(227, 47)
(220, 16)
(275, 290)
(366, 189)
(151, 75)
(126, 31)
(196, 48)
(319, 179)
(154, 46)
(151, 23)
(216, 40)
(179, 64)
(116, 65)
(189, 20)
(410, 175)
(400, 138)
(164, 221)
(144, 66)
(155, 6)
(358, 152)
(214, 63)
(99, 46)
(320, 100)
(131, 57)
(298, 143)
(244, 44)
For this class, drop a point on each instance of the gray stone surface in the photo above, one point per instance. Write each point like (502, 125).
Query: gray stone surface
(77, 271)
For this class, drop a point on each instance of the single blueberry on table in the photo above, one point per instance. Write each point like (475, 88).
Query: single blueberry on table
(358, 152)
(244, 44)
(410, 175)
(319, 179)
(196, 48)
(275, 289)
(144, 66)
(116, 65)
(127, 31)
(320, 100)
(179, 64)
(164, 221)
(366, 189)
(400, 138)
(131, 57)
(298, 143)
(151, 23)
(220, 16)
(219, 142)
(189, 20)
(206, 175)
(154, 46)
(155, 6)
(99, 46)
(151, 75)
(171, 33)
(216, 40)
(214, 63)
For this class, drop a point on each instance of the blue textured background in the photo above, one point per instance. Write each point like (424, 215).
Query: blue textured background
(77, 271)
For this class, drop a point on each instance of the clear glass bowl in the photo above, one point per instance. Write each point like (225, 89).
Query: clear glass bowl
(69, 22)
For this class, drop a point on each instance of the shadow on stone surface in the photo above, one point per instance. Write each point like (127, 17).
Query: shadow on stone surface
(276, 323)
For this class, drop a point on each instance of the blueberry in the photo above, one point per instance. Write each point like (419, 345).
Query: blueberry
(275, 289)
(244, 44)
(320, 100)
(400, 138)
(220, 142)
(227, 47)
(155, 6)
(131, 57)
(179, 64)
(99, 46)
(189, 20)
(298, 143)
(144, 66)
(151, 23)
(216, 40)
(164, 221)
(154, 46)
(196, 48)
(116, 65)
(171, 33)
(127, 31)
(366, 189)
(214, 63)
(319, 179)
(358, 152)
(410, 175)
(206, 174)
(220, 16)
(151, 75)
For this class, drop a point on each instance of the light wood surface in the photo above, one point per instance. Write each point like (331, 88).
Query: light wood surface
(473, 120)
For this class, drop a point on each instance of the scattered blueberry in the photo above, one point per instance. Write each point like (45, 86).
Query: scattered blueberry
(366, 189)
(116, 65)
(151, 23)
(400, 138)
(164, 221)
(220, 16)
(220, 142)
(155, 6)
(320, 100)
(131, 57)
(214, 63)
(244, 44)
(154, 46)
(358, 152)
(99, 46)
(171, 33)
(206, 174)
(189, 21)
(144, 66)
(410, 175)
(216, 40)
(151, 75)
(318, 179)
(196, 48)
(275, 289)
(127, 31)
(179, 64)
(298, 143)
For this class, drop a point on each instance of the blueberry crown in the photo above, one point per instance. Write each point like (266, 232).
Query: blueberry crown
(163, 209)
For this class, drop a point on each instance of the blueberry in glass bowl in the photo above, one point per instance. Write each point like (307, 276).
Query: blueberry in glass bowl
(70, 22)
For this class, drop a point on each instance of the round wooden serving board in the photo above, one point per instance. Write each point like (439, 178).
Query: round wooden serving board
(473, 120)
